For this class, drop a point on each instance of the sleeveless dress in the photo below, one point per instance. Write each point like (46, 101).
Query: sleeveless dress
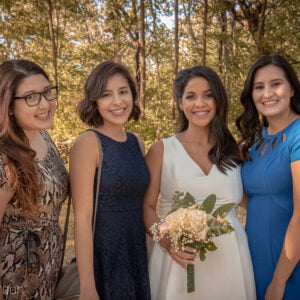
(120, 258)
(227, 272)
(267, 180)
(31, 248)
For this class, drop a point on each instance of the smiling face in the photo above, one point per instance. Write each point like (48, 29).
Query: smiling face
(198, 103)
(272, 92)
(32, 119)
(115, 103)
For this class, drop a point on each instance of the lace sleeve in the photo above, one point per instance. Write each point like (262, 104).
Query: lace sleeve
(4, 182)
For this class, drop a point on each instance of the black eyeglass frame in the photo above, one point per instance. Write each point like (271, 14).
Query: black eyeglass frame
(40, 94)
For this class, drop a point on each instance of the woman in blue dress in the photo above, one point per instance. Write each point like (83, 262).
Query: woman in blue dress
(270, 128)
(112, 265)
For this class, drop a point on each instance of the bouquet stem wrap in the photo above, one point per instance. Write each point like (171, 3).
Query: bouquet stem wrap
(190, 278)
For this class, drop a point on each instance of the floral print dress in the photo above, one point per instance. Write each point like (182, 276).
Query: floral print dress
(31, 248)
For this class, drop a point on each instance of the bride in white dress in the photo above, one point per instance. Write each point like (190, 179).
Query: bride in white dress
(201, 159)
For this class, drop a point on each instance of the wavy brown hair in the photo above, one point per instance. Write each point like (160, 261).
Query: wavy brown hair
(250, 123)
(224, 153)
(14, 145)
(94, 87)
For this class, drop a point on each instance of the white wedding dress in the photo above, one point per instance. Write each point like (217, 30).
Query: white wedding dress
(226, 274)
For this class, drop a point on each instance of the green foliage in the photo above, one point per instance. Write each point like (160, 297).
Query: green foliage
(218, 228)
(88, 32)
(182, 200)
(208, 204)
(223, 210)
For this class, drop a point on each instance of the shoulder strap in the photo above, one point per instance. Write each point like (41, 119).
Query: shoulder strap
(98, 181)
(95, 201)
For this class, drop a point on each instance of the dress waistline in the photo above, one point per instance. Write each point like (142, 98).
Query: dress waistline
(167, 206)
(30, 223)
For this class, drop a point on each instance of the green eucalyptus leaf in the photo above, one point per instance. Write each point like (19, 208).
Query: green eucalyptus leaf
(202, 253)
(198, 245)
(228, 228)
(188, 200)
(223, 210)
(217, 228)
(209, 203)
(182, 200)
(210, 245)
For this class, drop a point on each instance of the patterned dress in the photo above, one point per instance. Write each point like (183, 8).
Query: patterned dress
(31, 248)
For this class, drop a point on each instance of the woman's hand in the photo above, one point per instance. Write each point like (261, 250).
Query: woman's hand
(275, 291)
(184, 257)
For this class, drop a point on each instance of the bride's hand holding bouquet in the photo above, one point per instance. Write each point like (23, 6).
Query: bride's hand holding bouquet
(190, 227)
(184, 257)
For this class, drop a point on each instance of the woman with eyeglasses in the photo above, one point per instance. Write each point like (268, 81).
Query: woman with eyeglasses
(33, 183)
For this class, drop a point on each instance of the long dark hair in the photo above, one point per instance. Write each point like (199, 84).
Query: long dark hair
(14, 145)
(94, 87)
(224, 153)
(249, 122)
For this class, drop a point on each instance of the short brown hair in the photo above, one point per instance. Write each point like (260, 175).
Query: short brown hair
(94, 87)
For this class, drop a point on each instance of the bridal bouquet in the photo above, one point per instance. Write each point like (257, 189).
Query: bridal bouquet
(193, 224)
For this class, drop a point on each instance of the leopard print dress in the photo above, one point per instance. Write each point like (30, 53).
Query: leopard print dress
(31, 248)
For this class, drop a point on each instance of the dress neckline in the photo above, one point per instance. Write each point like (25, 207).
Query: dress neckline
(108, 137)
(191, 159)
(267, 135)
(44, 158)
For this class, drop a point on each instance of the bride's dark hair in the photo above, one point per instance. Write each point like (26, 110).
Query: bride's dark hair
(224, 153)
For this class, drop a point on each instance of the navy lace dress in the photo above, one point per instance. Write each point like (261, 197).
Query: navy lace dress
(120, 258)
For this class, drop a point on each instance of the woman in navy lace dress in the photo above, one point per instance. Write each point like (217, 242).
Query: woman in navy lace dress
(113, 264)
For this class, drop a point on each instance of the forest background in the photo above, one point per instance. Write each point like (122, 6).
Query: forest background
(155, 39)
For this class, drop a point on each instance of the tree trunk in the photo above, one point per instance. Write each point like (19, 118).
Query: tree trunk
(252, 16)
(204, 31)
(261, 50)
(221, 41)
(176, 54)
(54, 40)
(142, 59)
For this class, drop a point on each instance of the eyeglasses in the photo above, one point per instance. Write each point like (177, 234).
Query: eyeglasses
(34, 99)
(33, 259)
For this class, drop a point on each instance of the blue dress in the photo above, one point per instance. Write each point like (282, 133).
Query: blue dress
(120, 258)
(267, 180)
